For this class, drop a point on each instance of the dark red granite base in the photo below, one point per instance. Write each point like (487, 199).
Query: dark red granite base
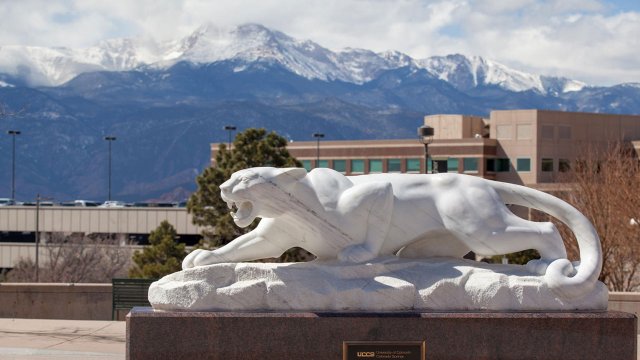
(467, 335)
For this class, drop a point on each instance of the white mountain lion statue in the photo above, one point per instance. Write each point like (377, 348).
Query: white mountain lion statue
(357, 218)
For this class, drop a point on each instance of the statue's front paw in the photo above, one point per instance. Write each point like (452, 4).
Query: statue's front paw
(200, 257)
(356, 254)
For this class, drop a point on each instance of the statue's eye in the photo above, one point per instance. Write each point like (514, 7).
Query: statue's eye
(244, 179)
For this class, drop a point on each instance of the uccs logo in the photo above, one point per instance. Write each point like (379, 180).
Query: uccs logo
(365, 354)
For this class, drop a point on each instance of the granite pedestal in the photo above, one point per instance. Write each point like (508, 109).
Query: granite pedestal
(460, 335)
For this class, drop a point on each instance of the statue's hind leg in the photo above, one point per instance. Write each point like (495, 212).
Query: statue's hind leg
(512, 234)
(519, 234)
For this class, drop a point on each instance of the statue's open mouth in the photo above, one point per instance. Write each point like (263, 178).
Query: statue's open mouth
(243, 212)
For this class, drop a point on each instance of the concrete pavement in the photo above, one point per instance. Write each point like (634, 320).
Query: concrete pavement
(62, 339)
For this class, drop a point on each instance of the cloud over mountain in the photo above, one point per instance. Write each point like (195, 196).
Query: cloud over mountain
(167, 101)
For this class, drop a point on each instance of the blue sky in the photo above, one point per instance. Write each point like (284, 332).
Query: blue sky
(595, 41)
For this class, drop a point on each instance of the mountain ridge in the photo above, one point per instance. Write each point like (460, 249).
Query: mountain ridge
(253, 42)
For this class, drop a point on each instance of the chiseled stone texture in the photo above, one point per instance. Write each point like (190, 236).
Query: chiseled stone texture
(303, 335)
(385, 284)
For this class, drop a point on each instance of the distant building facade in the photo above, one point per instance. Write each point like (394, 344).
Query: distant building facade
(530, 147)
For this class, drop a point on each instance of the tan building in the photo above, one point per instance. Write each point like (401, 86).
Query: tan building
(531, 147)
(542, 144)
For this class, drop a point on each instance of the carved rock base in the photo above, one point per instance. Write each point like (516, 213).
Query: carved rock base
(385, 284)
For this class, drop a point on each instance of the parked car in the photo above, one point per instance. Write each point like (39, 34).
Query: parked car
(162, 204)
(113, 204)
(86, 203)
(6, 202)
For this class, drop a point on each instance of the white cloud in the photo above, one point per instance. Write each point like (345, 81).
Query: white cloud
(590, 40)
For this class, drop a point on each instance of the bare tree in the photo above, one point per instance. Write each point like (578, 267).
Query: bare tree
(605, 186)
(75, 259)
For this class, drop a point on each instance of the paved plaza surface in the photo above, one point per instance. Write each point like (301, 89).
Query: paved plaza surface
(62, 339)
(65, 339)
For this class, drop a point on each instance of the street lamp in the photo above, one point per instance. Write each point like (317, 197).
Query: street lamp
(425, 134)
(110, 139)
(13, 134)
(230, 129)
(318, 136)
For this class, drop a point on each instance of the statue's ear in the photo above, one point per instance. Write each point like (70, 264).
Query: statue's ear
(293, 173)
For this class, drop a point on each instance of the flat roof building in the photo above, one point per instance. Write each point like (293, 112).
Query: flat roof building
(530, 147)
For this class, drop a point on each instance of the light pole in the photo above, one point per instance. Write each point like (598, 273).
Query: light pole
(425, 134)
(13, 134)
(230, 129)
(318, 136)
(110, 139)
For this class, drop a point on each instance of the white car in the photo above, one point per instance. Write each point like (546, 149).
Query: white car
(113, 204)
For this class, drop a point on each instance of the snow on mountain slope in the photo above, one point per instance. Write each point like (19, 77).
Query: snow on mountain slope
(468, 72)
(251, 43)
(54, 66)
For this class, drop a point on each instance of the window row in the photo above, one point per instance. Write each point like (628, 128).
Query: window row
(525, 132)
(564, 165)
(375, 165)
(469, 165)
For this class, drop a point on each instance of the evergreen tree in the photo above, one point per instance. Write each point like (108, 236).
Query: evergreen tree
(163, 256)
(251, 148)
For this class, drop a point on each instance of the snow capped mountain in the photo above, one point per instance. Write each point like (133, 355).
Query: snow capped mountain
(465, 73)
(252, 43)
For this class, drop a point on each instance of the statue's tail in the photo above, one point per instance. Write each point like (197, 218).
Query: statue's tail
(590, 265)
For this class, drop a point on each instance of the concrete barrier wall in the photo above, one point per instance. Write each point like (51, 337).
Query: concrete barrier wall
(94, 301)
(625, 301)
(55, 301)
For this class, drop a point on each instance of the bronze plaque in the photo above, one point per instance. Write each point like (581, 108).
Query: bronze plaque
(373, 350)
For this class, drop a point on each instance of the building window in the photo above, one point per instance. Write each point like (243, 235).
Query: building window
(323, 164)
(523, 132)
(429, 165)
(452, 165)
(375, 166)
(547, 132)
(503, 132)
(564, 132)
(491, 165)
(394, 165)
(306, 164)
(547, 165)
(413, 165)
(357, 166)
(564, 165)
(470, 164)
(340, 166)
(503, 165)
(523, 164)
